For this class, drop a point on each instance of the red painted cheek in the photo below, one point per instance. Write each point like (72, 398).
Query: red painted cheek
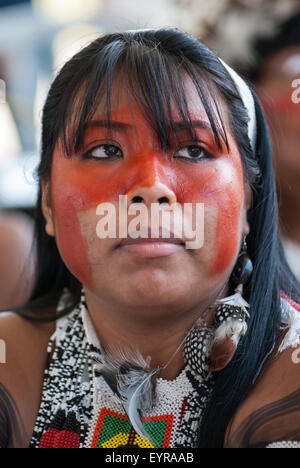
(67, 203)
(227, 232)
(78, 187)
(230, 204)
(221, 188)
(71, 243)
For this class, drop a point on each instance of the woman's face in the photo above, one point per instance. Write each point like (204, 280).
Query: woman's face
(142, 274)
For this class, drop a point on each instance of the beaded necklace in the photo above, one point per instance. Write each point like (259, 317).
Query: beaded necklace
(79, 409)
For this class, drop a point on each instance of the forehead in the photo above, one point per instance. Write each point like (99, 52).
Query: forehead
(124, 103)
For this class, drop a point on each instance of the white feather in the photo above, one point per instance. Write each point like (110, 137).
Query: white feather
(130, 376)
(236, 300)
(233, 328)
(291, 318)
(137, 395)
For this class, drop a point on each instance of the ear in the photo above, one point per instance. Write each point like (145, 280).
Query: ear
(47, 209)
(246, 208)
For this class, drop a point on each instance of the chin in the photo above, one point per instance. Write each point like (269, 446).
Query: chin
(168, 294)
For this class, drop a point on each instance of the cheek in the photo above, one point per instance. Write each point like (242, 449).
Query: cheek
(69, 236)
(228, 227)
(77, 190)
(221, 189)
(73, 192)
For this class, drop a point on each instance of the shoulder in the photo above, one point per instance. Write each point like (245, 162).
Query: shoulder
(23, 339)
(271, 412)
(18, 227)
(23, 353)
(17, 255)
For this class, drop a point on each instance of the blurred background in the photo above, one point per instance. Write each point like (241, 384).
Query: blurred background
(261, 38)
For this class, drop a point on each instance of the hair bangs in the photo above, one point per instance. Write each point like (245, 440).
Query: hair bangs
(155, 82)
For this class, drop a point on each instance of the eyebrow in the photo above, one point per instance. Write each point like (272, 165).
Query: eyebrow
(180, 125)
(123, 126)
(113, 125)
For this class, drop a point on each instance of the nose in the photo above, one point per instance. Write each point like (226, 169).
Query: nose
(159, 192)
(151, 181)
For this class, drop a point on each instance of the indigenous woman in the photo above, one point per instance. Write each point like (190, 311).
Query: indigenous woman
(135, 337)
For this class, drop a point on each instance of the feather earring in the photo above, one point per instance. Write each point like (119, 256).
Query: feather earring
(231, 316)
(197, 348)
(211, 349)
(131, 378)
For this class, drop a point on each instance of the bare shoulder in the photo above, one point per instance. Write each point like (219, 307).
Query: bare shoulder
(271, 412)
(23, 340)
(23, 354)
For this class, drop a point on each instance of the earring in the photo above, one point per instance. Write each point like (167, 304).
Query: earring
(211, 349)
(231, 315)
(197, 347)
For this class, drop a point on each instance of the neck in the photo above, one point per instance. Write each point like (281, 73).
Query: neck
(161, 339)
(289, 207)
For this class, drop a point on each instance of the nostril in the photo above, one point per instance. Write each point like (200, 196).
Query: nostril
(163, 200)
(137, 199)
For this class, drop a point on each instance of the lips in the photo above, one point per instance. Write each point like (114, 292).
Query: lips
(140, 240)
(152, 247)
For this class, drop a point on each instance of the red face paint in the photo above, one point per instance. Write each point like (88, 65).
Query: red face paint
(80, 185)
(66, 203)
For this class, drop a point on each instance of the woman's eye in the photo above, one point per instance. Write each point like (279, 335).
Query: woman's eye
(106, 151)
(195, 152)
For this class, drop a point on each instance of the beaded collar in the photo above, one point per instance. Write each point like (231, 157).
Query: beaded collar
(79, 409)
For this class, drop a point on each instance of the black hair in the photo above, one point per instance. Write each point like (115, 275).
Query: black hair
(152, 64)
(287, 34)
